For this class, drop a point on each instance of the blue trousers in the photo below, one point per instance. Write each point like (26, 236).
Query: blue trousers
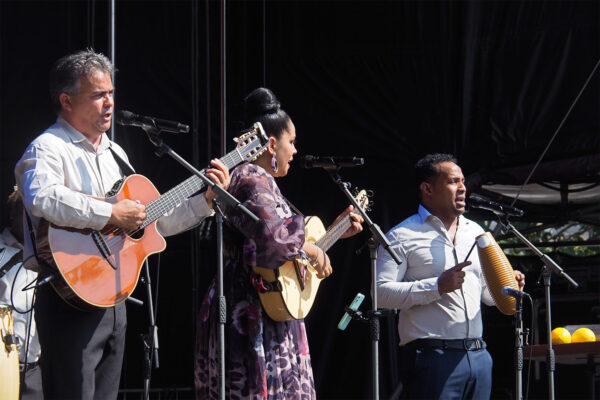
(435, 373)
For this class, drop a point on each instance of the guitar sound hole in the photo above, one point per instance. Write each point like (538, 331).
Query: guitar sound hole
(136, 234)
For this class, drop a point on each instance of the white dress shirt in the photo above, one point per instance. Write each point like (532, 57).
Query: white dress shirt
(60, 170)
(422, 243)
(17, 298)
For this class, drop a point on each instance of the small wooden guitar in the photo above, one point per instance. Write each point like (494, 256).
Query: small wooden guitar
(101, 268)
(288, 292)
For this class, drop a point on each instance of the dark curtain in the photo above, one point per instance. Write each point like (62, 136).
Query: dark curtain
(388, 81)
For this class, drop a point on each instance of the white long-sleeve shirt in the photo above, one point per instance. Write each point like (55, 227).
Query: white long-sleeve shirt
(60, 170)
(425, 249)
(18, 278)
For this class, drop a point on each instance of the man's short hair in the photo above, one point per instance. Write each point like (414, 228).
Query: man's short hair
(426, 170)
(66, 71)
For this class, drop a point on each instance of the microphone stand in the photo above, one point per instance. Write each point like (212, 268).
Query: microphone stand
(518, 357)
(150, 340)
(222, 304)
(549, 267)
(378, 238)
(225, 198)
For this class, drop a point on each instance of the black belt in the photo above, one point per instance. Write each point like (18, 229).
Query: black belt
(28, 366)
(454, 344)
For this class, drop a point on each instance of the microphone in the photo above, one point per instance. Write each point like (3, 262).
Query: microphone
(127, 118)
(346, 318)
(330, 162)
(497, 208)
(508, 291)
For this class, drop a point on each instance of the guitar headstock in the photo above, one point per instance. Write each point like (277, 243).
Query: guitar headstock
(252, 143)
(362, 198)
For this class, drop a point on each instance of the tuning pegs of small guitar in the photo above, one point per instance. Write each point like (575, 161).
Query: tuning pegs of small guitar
(370, 195)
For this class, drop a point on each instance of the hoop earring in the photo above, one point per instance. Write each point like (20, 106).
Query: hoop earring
(274, 165)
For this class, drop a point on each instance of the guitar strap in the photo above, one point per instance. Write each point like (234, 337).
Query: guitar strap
(293, 207)
(15, 259)
(125, 167)
(125, 170)
(44, 270)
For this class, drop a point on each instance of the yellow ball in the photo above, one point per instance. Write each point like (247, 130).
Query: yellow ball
(560, 335)
(583, 335)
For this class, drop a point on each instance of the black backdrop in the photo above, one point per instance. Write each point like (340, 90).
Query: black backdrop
(388, 81)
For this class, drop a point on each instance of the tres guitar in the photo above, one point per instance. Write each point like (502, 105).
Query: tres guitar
(101, 268)
(288, 292)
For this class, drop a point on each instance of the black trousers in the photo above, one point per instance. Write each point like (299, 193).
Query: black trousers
(82, 351)
(31, 389)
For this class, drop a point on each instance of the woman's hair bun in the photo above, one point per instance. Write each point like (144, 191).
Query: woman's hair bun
(271, 108)
(261, 101)
(262, 106)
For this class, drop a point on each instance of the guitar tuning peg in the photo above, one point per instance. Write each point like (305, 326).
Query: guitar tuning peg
(370, 194)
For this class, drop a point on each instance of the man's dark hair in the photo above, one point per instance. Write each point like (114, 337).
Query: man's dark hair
(65, 73)
(426, 169)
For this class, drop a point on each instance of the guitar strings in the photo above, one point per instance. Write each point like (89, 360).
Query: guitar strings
(168, 201)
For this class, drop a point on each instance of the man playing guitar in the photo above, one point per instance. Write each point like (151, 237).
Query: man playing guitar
(57, 175)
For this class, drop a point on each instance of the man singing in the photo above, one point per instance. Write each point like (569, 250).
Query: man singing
(59, 172)
(437, 291)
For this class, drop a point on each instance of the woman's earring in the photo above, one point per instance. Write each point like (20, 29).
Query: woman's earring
(274, 165)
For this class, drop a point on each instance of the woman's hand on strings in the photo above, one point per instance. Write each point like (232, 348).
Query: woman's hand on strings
(320, 259)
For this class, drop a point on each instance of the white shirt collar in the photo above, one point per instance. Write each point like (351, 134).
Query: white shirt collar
(78, 137)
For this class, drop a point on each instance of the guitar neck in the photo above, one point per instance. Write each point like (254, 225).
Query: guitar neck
(334, 233)
(171, 199)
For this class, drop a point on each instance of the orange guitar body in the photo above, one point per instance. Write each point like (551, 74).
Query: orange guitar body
(84, 276)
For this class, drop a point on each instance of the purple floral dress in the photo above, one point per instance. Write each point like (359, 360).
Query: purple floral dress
(264, 358)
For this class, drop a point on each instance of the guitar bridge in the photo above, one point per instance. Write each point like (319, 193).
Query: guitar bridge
(103, 248)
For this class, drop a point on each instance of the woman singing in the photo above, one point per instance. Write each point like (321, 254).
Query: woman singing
(265, 358)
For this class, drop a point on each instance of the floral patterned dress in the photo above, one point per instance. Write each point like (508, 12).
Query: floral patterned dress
(264, 359)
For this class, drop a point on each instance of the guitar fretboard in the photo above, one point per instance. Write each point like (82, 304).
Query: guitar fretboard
(334, 233)
(171, 199)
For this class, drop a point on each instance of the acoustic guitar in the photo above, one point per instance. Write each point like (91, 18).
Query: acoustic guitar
(288, 292)
(99, 269)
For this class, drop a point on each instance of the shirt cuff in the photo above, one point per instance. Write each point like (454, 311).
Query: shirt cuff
(430, 286)
(101, 212)
(200, 206)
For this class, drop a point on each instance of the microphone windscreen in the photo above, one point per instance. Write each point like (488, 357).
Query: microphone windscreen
(497, 272)
(124, 117)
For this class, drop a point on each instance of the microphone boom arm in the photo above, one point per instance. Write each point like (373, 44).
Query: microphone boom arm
(378, 235)
(548, 262)
(223, 195)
